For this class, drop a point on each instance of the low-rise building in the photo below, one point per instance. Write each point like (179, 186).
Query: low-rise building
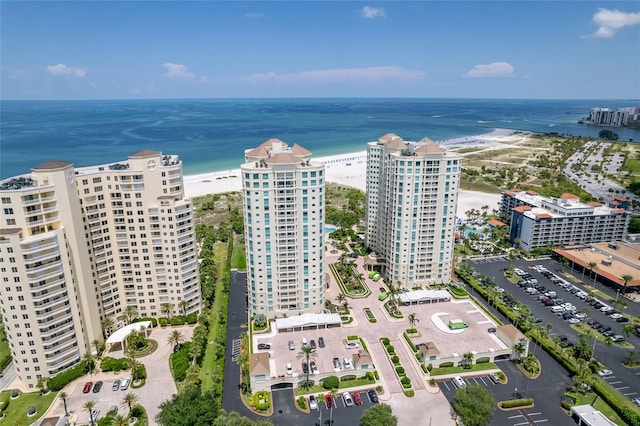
(537, 221)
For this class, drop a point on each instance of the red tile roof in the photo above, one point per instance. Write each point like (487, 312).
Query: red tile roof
(522, 209)
(568, 196)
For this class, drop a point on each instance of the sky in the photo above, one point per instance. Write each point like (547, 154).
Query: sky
(265, 49)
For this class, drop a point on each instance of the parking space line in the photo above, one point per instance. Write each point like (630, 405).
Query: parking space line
(540, 421)
(622, 388)
(521, 424)
(515, 417)
(481, 378)
(630, 393)
(615, 383)
(535, 414)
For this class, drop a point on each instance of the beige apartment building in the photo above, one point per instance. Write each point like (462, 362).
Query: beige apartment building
(283, 195)
(78, 245)
(412, 197)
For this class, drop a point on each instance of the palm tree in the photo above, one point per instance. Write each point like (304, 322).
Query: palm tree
(107, 324)
(412, 320)
(63, 396)
(133, 365)
(89, 406)
(96, 344)
(175, 339)
(548, 327)
(119, 420)
(345, 307)
(593, 266)
(183, 305)
(90, 361)
(628, 329)
(130, 399)
(518, 348)
(167, 309)
(308, 353)
(468, 359)
(340, 298)
(627, 279)
(130, 312)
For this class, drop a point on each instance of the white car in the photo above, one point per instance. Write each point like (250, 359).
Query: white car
(289, 369)
(352, 345)
(348, 399)
(313, 403)
(93, 416)
(581, 315)
(605, 373)
(347, 364)
(574, 320)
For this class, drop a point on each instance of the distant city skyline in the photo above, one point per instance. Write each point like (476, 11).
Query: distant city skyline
(219, 49)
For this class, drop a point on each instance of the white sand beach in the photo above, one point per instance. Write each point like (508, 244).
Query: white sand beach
(351, 169)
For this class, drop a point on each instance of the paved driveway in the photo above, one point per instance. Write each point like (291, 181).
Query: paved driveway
(158, 388)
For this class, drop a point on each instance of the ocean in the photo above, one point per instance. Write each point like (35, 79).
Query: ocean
(212, 134)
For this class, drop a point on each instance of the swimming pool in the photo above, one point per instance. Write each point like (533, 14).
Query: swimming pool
(329, 229)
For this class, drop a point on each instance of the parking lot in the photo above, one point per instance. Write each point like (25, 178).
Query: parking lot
(571, 292)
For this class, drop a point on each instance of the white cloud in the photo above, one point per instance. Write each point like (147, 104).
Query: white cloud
(337, 75)
(609, 21)
(181, 71)
(495, 69)
(63, 70)
(253, 15)
(369, 12)
(177, 71)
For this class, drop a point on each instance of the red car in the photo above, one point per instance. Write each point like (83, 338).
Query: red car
(87, 387)
(328, 400)
(356, 398)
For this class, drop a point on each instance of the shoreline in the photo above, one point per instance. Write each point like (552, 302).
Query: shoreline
(350, 170)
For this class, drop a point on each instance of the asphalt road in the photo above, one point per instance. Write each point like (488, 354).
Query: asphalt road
(285, 411)
(626, 381)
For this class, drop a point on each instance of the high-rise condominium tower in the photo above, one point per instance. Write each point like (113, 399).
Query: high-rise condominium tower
(412, 194)
(78, 245)
(283, 191)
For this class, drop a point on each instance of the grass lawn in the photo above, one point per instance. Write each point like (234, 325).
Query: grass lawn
(238, 258)
(4, 346)
(16, 413)
(597, 403)
(314, 390)
(210, 367)
(475, 367)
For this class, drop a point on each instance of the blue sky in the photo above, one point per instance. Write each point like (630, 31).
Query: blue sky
(212, 49)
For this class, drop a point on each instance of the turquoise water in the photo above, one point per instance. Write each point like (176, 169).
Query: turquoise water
(212, 134)
(329, 229)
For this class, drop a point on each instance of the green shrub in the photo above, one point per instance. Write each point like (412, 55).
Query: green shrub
(430, 367)
(391, 349)
(424, 368)
(114, 364)
(385, 341)
(15, 393)
(5, 403)
(140, 372)
(302, 402)
(6, 360)
(484, 360)
(412, 331)
(446, 365)
(352, 337)
(369, 375)
(154, 322)
(178, 320)
(136, 411)
(400, 370)
(180, 362)
(163, 322)
(260, 321)
(405, 381)
(348, 378)
(61, 380)
(517, 403)
(192, 318)
(331, 382)
(409, 393)
(432, 382)
(409, 342)
(377, 376)
(395, 359)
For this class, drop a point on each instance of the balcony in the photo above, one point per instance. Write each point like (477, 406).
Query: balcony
(63, 311)
(50, 294)
(53, 362)
(45, 255)
(42, 276)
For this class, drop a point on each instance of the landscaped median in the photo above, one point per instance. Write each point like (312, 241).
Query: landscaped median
(397, 366)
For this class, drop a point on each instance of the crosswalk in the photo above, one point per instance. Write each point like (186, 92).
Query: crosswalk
(235, 349)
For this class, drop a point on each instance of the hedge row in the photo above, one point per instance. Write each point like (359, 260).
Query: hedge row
(115, 364)
(180, 362)
(517, 403)
(411, 344)
(61, 380)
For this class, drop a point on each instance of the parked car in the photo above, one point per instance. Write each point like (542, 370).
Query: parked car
(357, 399)
(605, 373)
(314, 368)
(312, 343)
(494, 378)
(617, 338)
(336, 364)
(347, 364)
(328, 400)
(622, 319)
(491, 330)
(348, 399)
(292, 345)
(97, 387)
(113, 409)
(93, 416)
(373, 396)
(289, 369)
(87, 387)
(116, 385)
(352, 345)
(124, 385)
(313, 403)
(305, 367)
(264, 346)
(321, 342)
